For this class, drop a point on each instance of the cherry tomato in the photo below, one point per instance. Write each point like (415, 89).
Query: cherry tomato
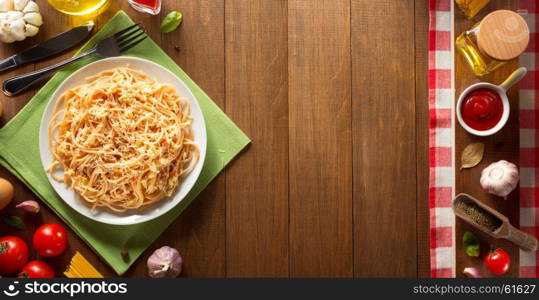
(497, 262)
(13, 254)
(36, 269)
(50, 240)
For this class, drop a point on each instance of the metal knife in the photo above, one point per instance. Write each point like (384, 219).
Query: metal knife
(50, 47)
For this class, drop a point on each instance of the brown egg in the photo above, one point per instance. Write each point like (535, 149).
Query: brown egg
(6, 193)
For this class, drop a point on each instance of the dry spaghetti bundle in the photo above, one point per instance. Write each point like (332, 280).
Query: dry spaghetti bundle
(122, 140)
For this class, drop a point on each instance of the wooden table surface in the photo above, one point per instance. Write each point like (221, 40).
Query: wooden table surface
(333, 94)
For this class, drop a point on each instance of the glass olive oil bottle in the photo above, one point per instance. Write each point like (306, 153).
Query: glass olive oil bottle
(501, 36)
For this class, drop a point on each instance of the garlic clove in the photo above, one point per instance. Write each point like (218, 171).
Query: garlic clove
(14, 15)
(31, 7)
(29, 206)
(5, 34)
(33, 18)
(6, 5)
(31, 30)
(19, 4)
(17, 30)
(472, 273)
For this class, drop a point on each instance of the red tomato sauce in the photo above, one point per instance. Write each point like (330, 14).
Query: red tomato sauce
(482, 109)
(148, 3)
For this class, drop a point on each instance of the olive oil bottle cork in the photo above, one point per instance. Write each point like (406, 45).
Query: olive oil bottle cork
(501, 36)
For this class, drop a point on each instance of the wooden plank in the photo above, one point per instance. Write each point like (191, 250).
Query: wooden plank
(256, 99)
(422, 136)
(320, 149)
(503, 145)
(199, 233)
(384, 137)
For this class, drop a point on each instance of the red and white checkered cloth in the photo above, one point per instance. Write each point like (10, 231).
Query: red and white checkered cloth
(441, 139)
(529, 148)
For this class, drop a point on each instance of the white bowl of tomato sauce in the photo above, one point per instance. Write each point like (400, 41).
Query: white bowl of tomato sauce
(483, 108)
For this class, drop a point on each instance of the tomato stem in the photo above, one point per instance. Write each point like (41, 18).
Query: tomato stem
(3, 248)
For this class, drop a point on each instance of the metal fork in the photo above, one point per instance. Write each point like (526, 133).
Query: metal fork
(110, 46)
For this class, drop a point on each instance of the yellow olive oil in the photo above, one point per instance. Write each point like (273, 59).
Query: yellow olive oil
(480, 63)
(79, 7)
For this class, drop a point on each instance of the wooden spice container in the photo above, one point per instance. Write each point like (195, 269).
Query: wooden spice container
(491, 222)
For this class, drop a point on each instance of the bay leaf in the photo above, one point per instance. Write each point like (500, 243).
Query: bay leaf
(472, 155)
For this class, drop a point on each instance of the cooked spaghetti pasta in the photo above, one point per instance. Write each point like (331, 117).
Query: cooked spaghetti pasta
(122, 140)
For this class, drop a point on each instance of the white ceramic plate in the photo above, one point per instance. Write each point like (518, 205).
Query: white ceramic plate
(130, 217)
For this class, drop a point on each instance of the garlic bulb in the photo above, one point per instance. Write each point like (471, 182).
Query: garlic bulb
(499, 178)
(19, 19)
(164, 262)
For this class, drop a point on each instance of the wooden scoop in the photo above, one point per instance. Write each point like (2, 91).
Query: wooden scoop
(506, 231)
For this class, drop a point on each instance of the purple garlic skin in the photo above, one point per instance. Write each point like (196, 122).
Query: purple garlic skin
(29, 206)
(164, 262)
(500, 178)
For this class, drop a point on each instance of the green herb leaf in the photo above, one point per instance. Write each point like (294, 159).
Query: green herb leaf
(471, 244)
(171, 22)
(14, 221)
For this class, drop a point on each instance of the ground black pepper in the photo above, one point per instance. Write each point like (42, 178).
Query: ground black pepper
(480, 216)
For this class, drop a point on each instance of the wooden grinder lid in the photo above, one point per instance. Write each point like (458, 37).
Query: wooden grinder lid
(503, 35)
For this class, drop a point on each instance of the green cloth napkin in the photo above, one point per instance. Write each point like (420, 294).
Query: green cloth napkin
(19, 153)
